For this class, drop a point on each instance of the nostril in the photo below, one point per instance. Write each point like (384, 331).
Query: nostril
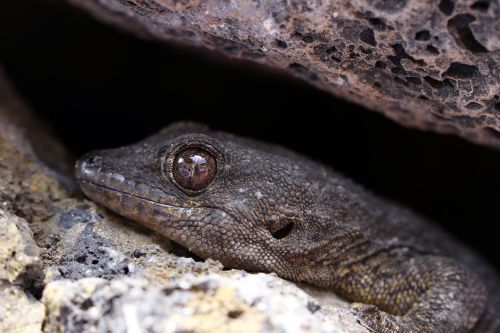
(92, 161)
(87, 166)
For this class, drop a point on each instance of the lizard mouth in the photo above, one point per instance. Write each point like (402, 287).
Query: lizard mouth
(177, 223)
(135, 207)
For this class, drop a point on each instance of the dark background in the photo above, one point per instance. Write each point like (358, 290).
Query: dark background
(103, 88)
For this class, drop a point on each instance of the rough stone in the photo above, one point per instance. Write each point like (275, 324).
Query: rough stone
(28, 186)
(19, 311)
(209, 303)
(19, 264)
(432, 65)
(19, 255)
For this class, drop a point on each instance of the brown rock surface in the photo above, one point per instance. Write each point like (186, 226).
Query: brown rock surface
(433, 65)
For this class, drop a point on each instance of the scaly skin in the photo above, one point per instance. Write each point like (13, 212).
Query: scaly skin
(268, 209)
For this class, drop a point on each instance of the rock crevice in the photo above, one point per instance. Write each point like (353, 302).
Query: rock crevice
(419, 44)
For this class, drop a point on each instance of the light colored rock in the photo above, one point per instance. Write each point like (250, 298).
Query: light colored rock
(19, 263)
(210, 303)
(19, 255)
(19, 312)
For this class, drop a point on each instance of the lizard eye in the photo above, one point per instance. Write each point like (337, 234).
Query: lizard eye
(194, 168)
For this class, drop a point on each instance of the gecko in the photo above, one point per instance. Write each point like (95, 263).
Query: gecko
(263, 208)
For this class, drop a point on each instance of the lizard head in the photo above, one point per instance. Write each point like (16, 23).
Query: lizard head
(248, 204)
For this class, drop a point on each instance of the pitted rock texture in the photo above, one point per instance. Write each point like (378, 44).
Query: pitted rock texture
(433, 65)
(210, 303)
(19, 264)
(20, 312)
(19, 255)
(67, 265)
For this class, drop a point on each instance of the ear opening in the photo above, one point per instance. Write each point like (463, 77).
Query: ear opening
(283, 231)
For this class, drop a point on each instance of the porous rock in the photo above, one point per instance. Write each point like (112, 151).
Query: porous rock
(208, 303)
(19, 263)
(432, 65)
(19, 311)
(99, 272)
(19, 255)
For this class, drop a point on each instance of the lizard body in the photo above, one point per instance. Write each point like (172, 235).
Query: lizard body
(260, 207)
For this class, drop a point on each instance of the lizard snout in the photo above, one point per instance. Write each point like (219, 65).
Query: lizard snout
(88, 166)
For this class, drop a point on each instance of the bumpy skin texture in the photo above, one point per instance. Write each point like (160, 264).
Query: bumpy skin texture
(271, 210)
(430, 64)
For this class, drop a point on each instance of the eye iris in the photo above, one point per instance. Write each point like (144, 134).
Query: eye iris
(194, 168)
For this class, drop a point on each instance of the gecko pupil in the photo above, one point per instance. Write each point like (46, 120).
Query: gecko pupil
(194, 168)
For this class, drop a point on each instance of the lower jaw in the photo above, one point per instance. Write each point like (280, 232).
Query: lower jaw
(164, 219)
(147, 212)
